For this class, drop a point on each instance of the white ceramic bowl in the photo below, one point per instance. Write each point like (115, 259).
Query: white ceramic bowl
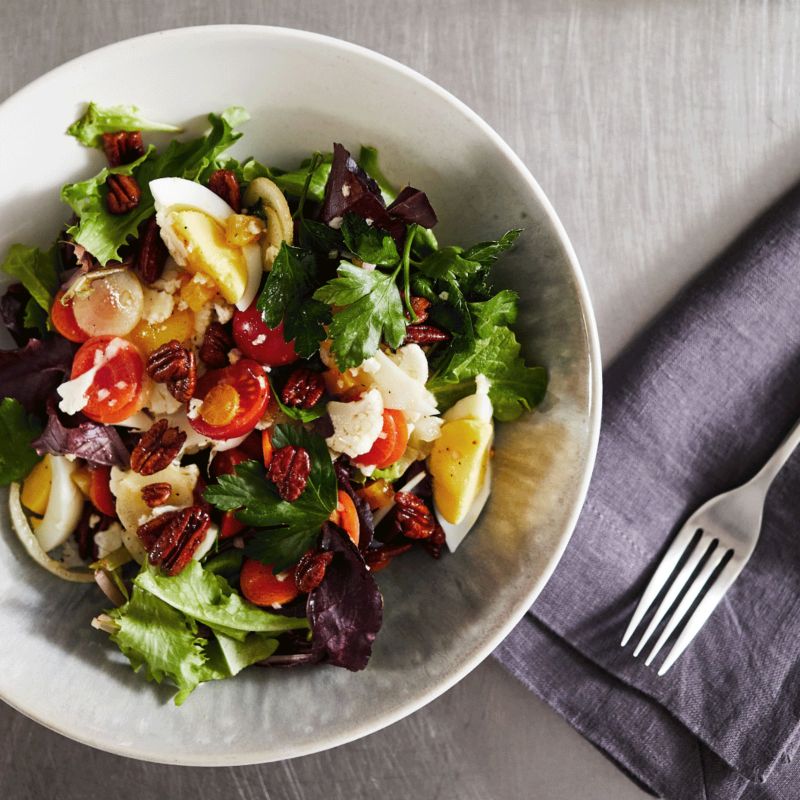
(442, 618)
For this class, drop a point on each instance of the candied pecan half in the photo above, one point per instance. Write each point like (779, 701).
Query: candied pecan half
(378, 558)
(223, 183)
(122, 147)
(412, 518)
(435, 542)
(217, 343)
(310, 570)
(153, 252)
(425, 334)
(157, 448)
(176, 366)
(289, 470)
(303, 389)
(171, 539)
(123, 193)
(420, 306)
(156, 494)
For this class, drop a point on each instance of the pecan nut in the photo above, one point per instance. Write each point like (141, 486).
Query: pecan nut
(435, 542)
(217, 343)
(303, 389)
(289, 470)
(156, 494)
(157, 448)
(310, 570)
(176, 366)
(224, 184)
(378, 558)
(171, 539)
(122, 147)
(153, 252)
(413, 518)
(420, 306)
(123, 193)
(425, 334)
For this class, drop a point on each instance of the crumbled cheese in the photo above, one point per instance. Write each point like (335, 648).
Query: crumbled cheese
(444, 295)
(369, 221)
(102, 394)
(94, 520)
(234, 355)
(356, 425)
(157, 306)
(109, 540)
(161, 402)
(260, 339)
(121, 385)
(336, 223)
(175, 246)
(202, 319)
(194, 408)
(345, 190)
(224, 312)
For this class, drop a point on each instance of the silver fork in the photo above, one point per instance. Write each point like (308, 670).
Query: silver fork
(728, 523)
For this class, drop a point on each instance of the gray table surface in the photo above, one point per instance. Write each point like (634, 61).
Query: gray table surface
(658, 129)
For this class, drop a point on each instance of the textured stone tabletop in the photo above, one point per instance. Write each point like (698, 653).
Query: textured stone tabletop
(658, 129)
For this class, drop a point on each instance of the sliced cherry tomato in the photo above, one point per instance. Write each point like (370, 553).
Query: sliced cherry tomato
(257, 341)
(100, 491)
(64, 321)
(346, 516)
(224, 463)
(261, 586)
(244, 382)
(115, 392)
(391, 444)
(230, 526)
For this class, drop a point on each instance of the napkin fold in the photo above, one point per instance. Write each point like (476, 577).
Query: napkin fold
(692, 408)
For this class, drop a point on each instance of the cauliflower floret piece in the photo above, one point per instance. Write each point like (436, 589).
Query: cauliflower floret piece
(356, 425)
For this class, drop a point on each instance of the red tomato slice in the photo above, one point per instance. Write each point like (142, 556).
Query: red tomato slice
(116, 389)
(346, 516)
(251, 385)
(257, 341)
(64, 321)
(261, 586)
(100, 491)
(224, 463)
(390, 445)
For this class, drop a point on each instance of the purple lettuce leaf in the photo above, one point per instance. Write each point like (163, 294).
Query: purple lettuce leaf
(350, 189)
(12, 312)
(100, 445)
(346, 610)
(366, 523)
(412, 205)
(31, 374)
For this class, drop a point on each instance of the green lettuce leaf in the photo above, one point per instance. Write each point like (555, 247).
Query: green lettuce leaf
(287, 530)
(515, 386)
(103, 233)
(370, 310)
(17, 431)
(498, 310)
(161, 641)
(286, 297)
(96, 121)
(294, 181)
(36, 271)
(234, 655)
(208, 598)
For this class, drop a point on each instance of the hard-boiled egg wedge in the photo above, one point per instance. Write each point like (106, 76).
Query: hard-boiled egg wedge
(192, 222)
(64, 505)
(459, 464)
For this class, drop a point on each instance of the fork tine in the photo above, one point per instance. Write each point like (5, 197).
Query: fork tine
(664, 570)
(688, 599)
(703, 611)
(681, 581)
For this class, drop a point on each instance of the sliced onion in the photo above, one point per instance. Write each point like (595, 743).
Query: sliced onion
(109, 588)
(19, 522)
(110, 305)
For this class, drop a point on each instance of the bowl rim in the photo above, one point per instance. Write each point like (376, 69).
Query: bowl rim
(595, 394)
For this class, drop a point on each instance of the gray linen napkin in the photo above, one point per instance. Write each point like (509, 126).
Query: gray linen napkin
(693, 407)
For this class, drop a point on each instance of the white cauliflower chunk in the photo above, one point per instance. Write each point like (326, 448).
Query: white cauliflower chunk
(356, 425)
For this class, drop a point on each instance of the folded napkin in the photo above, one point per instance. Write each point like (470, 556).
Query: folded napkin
(692, 408)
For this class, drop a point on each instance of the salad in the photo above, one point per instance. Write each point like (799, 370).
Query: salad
(239, 392)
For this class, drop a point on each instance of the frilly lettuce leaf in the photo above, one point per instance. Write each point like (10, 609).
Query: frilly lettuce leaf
(103, 234)
(36, 271)
(208, 598)
(96, 121)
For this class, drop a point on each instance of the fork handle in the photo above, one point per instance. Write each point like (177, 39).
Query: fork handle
(776, 461)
